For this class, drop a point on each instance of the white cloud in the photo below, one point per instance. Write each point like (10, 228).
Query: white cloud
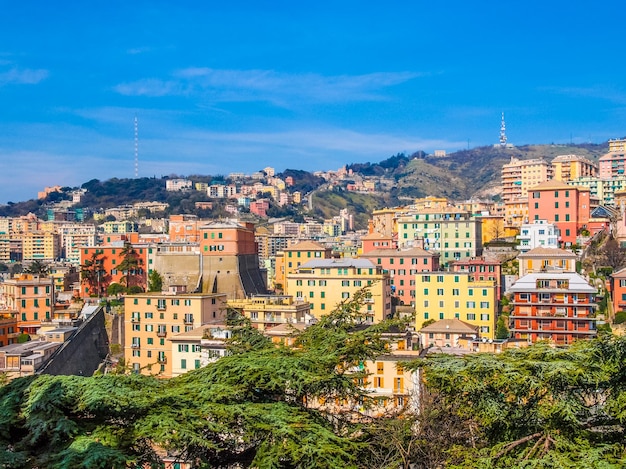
(267, 85)
(25, 76)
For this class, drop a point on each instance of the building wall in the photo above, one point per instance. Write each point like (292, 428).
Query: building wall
(149, 319)
(30, 298)
(451, 295)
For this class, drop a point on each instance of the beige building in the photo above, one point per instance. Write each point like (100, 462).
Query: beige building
(198, 347)
(519, 175)
(151, 318)
(268, 311)
(543, 259)
(325, 283)
(40, 246)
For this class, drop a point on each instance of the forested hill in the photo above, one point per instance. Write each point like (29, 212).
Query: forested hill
(459, 175)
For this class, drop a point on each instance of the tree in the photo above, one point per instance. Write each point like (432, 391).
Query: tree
(131, 266)
(502, 330)
(37, 268)
(535, 407)
(115, 289)
(612, 255)
(92, 272)
(155, 281)
(258, 407)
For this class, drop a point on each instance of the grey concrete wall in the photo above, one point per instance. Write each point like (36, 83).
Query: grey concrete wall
(83, 352)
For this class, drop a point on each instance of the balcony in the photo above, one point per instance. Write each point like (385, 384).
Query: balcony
(135, 319)
(161, 307)
(161, 333)
(162, 359)
(134, 345)
(188, 320)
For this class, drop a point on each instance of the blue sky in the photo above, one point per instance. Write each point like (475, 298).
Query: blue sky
(219, 87)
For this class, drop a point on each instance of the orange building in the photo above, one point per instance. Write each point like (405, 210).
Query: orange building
(184, 228)
(294, 256)
(30, 300)
(8, 330)
(568, 207)
(109, 258)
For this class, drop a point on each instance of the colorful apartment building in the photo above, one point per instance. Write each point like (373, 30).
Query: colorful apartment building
(516, 212)
(601, 191)
(30, 299)
(268, 311)
(151, 318)
(108, 259)
(326, 283)
(568, 167)
(294, 256)
(612, 164)
(446, 333)
(40, 246)
(198, 347)
(402, 266)
(452, 295)
(454, 233)
(8, 329)
(566, 206)
(538, 233)
(543, 259)
(559, 307)
(618, 290)
(520, 175)
(372, 241)
(482, 268)
(184, 228)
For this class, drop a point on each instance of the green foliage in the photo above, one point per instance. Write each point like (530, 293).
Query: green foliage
(155, 282)
(502, 329)
(115, 289)
(536, 407)
(22, 338)
(620, 317)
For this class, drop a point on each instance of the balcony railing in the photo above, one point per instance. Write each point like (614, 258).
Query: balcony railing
(161, 333)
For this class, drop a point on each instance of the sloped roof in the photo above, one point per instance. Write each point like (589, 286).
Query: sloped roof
(542, 251)
(412, 252)
(306, 245)
(556, 184)
(452, 326)
(577, 283)
(345, 262)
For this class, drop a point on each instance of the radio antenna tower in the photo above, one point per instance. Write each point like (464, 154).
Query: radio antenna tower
(503, 132)
(136, 149)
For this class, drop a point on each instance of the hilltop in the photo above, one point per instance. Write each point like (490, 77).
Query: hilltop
(459, 175)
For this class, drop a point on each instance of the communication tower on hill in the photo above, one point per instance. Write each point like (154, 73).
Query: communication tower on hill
(503, 132)
(136, 149)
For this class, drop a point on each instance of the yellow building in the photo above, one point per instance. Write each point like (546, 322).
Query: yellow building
(151, 318)
(568, 167)
(492, 228)
(384, 221)
(451, 295)
(294, 256)
(40, 245)
(325, 283)
(541, 259)
(516, 212)
(122, 227)
(267, 311)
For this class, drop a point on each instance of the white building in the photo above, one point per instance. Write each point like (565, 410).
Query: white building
(539, 233)
(173, 185)
(198, 347)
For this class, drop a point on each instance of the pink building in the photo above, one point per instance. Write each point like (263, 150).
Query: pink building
(260, 207)
(403, 265)
(374, 241)
(481, 268)
(568, 207)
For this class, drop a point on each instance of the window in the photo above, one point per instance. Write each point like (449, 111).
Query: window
(439, 291)
(439, 278)
(345, 283)
(470, 304)
(455, 292)
(484, 317)
(556, 217)
(148, 315)
(471, 317)
(556, 205)
(345, 295)
(380, 368)
(567, 217)
(183, 364)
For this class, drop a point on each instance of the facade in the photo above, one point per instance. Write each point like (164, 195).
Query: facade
(559, 307)
(568, 207)
(294, 256)
(568, 167)
(612, 164)
(601, 191)
(446, 333)
(618, 290)
(452, 295)
(30, 299)
(516, 212)
(544, 259)
(151, 318)
(519, 175)
(25, 359)
(482, 268)
(268, 311)
(402, 266)
(40, 246)
(184, 228)
(198, 347)
(173, 185)
(73, 237)
(325, 283)
(372, 241)
(8, 329)
(454, 233)
(538, 233)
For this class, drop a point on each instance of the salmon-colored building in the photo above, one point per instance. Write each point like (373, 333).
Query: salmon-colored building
(184, 228)
(481, 268)
(377, 240)
(568, 207)
(618, 290)
(403, 265)
(110, 257)
(8, 329)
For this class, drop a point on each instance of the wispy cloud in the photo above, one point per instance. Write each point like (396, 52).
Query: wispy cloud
(24, 76)
(138, 50)
(268, 85)
(604, 92)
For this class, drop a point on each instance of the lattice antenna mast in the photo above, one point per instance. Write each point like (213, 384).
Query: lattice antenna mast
(503, 132)
(136, 149)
